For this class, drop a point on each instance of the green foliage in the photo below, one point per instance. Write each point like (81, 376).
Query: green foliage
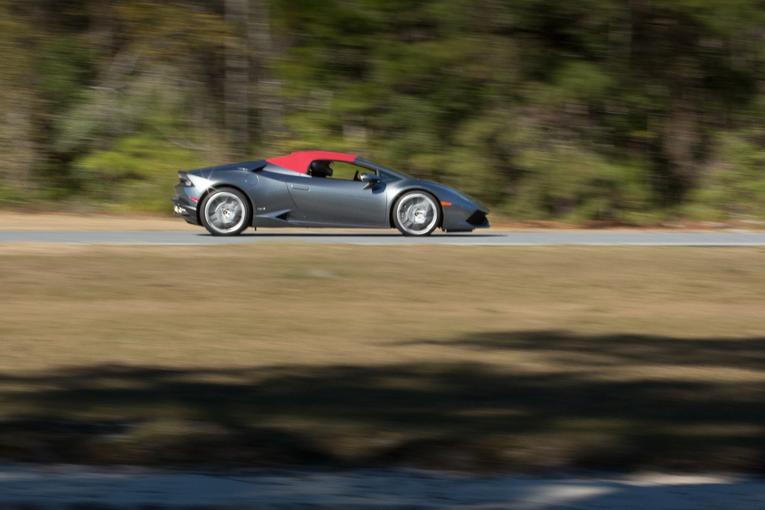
(596, 109)
(10, 196)
(563, 181)
(64, 68)
(734, 188)
(137, 173)
(577, 82)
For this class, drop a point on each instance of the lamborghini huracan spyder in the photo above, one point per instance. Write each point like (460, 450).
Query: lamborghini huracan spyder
(320, 189)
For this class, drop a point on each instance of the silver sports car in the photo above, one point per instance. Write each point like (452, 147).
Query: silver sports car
(321, 189)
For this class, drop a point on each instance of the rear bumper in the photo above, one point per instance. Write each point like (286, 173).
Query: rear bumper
(185, 202)
(186, 209)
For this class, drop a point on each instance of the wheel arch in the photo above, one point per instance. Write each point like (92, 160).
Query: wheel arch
(218, 187)
(395, 200)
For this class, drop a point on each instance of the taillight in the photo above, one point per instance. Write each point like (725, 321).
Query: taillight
(183, 178)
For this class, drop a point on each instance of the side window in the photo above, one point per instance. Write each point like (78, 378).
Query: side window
(347, 171)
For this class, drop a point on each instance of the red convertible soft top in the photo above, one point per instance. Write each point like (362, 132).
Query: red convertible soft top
(299, 161)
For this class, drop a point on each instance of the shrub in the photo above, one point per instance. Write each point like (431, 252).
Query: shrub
(137, 173)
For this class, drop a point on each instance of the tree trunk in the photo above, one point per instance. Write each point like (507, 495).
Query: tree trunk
(236, 114)
(266, 97)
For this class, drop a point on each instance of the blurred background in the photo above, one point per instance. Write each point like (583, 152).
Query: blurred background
(333, 354)
(630, 111)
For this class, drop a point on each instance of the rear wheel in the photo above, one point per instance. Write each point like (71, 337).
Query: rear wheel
(416, 213)
(226, 212)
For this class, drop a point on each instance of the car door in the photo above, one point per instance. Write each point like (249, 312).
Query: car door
(340, 202)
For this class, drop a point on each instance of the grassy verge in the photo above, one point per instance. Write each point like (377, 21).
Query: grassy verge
(445, 357)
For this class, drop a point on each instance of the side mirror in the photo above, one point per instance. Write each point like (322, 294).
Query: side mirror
(370, 179)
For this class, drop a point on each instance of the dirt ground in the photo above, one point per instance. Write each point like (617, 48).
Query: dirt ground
(37, 221)
(474, 358)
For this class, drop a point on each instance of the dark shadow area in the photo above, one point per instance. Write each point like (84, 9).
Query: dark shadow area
(617, 349)
(368, 490)
(435, 415)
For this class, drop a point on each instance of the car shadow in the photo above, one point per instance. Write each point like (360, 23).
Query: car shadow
(350, 235)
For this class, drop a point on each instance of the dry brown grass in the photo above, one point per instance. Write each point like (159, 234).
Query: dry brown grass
(439, 356)
(37, 221)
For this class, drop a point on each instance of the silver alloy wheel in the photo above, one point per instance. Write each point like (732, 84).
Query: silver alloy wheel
(225, 212)
(417, 213)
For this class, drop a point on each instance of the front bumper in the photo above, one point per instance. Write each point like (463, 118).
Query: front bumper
(464, 219)
(479, 219)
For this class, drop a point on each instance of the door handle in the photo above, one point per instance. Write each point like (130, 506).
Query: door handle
(301, 187)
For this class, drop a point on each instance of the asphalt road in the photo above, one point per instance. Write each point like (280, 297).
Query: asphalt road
(390, 238)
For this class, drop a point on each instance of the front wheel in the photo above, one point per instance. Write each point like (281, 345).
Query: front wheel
(226, 212)
(416, 213)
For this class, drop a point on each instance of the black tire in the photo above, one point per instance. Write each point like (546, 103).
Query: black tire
(431, 213)
(219, 198)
